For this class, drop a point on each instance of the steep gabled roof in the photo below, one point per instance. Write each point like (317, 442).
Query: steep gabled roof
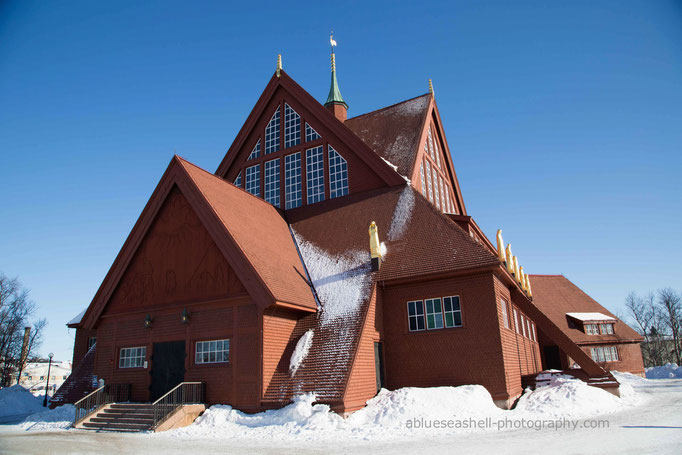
(321, 114)
(556, 296)
(251, 234)
(334, 243)
(394, 132)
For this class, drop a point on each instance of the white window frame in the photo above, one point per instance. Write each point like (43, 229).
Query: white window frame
(130, 357)
(592, 329)
(417, 316)
(436, 196)
(505, 313)
(217, 348)
(314, 173)
(516, 320)
(292, 127)
(254, 182)
(421, 176)
(310, 133)
(438, 322)
(338, 174)
(272, 133)
(428, 181)
(255, 153)
(606, 328)
(272, 186)
(293, 181)
(455, 312)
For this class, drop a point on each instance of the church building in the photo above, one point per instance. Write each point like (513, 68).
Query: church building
(331, 255)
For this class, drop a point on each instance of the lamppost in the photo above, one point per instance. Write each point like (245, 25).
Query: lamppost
(47, 386)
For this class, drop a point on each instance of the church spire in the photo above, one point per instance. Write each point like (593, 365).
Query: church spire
(335, 102)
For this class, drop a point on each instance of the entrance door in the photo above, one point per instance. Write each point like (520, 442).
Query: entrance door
(552, 358)
(168, 367)
(379, 365)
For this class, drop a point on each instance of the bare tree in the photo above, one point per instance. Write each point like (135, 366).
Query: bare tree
(670, 303)
(647, 318)
(16, 309)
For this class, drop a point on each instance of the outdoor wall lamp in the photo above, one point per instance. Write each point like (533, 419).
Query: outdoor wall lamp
(185, 316)
(148, 322)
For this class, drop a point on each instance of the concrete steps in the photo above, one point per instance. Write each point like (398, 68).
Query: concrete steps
(123, 417)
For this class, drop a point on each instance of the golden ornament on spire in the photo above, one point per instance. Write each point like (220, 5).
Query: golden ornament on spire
(522, 278)
(430, 87)
(516, 267)
(500, 246)
(279, 64)
(530, 290)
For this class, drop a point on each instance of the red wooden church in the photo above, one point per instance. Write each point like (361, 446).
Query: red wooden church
(267, 278)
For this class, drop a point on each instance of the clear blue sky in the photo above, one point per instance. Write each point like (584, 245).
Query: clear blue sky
(564, 120)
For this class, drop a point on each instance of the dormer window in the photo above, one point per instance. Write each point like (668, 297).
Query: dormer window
(592, 329)
(606, 329)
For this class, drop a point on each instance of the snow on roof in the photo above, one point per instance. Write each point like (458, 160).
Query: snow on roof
(77, 319)
(590, 316)
(401, 214)
(342, 282)
(301, 351)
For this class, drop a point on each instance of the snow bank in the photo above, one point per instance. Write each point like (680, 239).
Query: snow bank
(342, 282)
(572, 399)
(301, 351)
(17, 400)
(404, 413)
(667, 371)
(59, 418)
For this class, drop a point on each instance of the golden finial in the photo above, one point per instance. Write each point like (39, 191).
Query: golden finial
(279, 63)
(522, 278)
(430, 87)
(374, 246)
(509, 261)
(530, 291)
(516, 267)
(500, 246)
(333, 63)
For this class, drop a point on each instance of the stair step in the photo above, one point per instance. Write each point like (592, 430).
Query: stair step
(144, 421)
(128, 411)
(117, 426)
(115, 416)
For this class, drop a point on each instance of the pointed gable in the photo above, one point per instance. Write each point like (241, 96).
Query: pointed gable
(251, 239)
(292, 151)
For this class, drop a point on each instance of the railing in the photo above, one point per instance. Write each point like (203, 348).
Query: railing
(181, 394)
(109, 393)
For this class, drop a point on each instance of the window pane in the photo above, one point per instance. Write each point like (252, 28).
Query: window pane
(338, 174)
(272, 182)
(272, 134)
(253, 180)
(310, 133)
(255, 153)
(292, 127)
(449, 320)
(413, 323)
(292, 181)
(458, 318)
(315, 175)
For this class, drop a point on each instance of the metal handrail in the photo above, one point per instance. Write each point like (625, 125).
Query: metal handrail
(181, 394)
(94, 401)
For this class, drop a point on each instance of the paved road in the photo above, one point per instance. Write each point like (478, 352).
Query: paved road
(655, 427)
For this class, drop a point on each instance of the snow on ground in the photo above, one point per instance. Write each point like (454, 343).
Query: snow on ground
(17, 400)
(342, 282)
(301, 351)
(667, 371)
(407, 412)
(59, 418)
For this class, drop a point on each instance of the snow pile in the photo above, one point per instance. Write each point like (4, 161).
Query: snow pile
(17, 400)
(667, 371)
(342, 282)
(402, 214)
(59, 418)
(300, 352)
(572, 398)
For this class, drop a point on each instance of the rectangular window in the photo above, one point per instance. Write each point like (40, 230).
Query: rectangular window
(428, 180)
(430, 142)
(534, 332)
(214, 351)
(272, 182)
(606, 329)
(272, 134)
(434, 314)
(253, 180)
(452, 311)
(415, 315)
(614, 353)
(442, 195)
(435, 149)
(91, 342)
(292, 127)
(310, 133)
(338, 174)
(523, 325)
(132, 357)
(292, 181)
(421, 176)
(314, 174)
(592, 329)
(516, 321)
(530, 332)
(505, 314)
(436, 197)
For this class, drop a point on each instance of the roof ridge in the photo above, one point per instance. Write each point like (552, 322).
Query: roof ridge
(388, 107)
(546, 276)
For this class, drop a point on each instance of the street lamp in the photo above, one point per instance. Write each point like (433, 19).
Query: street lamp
(47, 386)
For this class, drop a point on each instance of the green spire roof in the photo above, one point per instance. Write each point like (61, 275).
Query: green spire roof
(334, 92)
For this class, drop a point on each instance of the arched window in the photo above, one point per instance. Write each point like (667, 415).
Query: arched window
(338, 174)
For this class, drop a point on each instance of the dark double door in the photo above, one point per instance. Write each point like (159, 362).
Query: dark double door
(168, 367)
